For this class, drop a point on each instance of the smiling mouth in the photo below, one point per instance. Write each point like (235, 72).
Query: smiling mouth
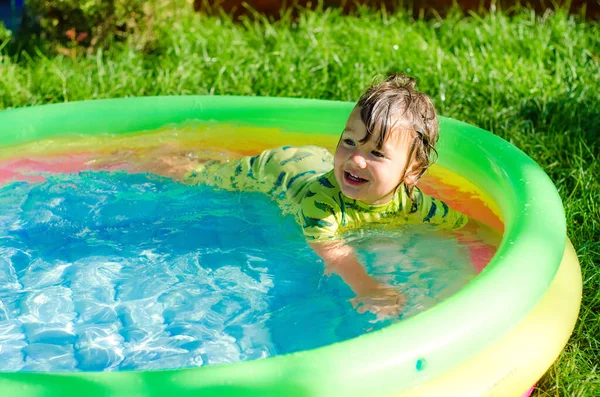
(353, 179)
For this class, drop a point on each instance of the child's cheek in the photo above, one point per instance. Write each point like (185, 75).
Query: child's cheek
(338, 156)
(341, 152)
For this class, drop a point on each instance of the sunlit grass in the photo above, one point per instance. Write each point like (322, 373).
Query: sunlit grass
(533, 80)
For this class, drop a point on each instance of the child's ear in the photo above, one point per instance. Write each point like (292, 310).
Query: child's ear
(413, 174)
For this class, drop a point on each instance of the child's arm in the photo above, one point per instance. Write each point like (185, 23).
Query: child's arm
(320, 216)
(371, 295)
(339, 258)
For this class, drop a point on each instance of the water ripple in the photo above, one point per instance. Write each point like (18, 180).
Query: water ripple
(111, 271)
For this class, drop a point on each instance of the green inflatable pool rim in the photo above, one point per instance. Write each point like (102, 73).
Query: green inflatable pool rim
(385, 362)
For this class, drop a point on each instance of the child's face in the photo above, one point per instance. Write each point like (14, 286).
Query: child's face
(365, 172)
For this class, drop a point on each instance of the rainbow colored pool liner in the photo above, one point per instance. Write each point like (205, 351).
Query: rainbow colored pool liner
(495, 337)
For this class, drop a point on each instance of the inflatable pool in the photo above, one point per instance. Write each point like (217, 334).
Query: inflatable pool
(495, 337)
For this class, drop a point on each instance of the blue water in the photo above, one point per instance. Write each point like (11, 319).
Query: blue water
(113, 271)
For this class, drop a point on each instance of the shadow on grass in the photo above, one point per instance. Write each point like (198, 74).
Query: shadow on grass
(572, 117)
(564, 138)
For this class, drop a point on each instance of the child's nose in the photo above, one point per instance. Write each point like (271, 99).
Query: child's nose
(359, 161)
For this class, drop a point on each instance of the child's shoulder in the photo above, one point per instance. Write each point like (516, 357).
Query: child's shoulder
(322, 196)
(303, 158)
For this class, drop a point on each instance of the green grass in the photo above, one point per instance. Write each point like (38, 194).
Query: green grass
(532, 80)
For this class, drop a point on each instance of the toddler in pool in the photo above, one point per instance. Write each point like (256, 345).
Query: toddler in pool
(381, 154)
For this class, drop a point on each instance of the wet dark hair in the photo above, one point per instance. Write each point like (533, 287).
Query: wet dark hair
(394, 105)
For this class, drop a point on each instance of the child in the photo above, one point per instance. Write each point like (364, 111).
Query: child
(383, 151)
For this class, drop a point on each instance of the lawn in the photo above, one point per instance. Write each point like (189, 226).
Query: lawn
(533, 80)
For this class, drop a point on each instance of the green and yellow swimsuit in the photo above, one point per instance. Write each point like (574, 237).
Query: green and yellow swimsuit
(301, 181)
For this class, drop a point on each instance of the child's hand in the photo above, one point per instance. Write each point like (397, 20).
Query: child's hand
(384, 301)
(371, 295)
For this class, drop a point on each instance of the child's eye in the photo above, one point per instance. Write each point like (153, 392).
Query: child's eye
(349, 142)
(377, 154)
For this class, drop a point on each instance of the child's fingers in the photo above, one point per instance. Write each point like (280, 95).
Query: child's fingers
(384, 303)
(363, 309)
(355, 302)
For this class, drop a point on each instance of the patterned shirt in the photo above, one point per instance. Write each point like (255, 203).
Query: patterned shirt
(301, 181)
